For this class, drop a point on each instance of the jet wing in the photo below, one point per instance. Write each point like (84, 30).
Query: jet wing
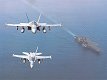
(53, 25)
(43, 57)
(37, 54)
(26, 53)
(21, 56)
(19, 25)
(49, 25)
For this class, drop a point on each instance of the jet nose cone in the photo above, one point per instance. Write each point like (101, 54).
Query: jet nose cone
(33, 31)
(60, 25)
(31, 66)
(50, 57)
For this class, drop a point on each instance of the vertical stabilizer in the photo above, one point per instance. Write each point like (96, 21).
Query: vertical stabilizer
(27, 17)
(38, 18)
(37, 49)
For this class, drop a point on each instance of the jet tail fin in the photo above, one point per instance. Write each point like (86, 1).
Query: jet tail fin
(27, 17)
(39, 18)
(37, 49)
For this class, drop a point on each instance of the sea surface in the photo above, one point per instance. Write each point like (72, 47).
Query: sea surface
(70, 61)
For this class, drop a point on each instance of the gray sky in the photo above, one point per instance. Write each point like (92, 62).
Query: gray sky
(14, 6)
(49, 8)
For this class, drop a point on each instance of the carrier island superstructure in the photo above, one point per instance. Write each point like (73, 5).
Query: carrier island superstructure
(86, 43)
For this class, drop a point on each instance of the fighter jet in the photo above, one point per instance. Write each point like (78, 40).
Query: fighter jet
(31, 57)
(34, 26)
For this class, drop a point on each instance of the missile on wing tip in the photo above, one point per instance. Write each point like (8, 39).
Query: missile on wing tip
(61, 25)
(87, 43)
(13, 55)
(50, 57)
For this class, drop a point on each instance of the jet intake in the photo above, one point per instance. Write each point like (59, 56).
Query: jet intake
(29, 28)
(38, 28)
(24, 60)
(17, 27)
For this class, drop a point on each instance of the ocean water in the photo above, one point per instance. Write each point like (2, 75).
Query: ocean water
(69, 60)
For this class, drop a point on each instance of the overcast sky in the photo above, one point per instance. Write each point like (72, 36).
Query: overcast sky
(55, 8)
(13, 6)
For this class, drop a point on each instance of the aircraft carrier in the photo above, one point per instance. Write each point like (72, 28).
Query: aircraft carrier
(87, 43)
